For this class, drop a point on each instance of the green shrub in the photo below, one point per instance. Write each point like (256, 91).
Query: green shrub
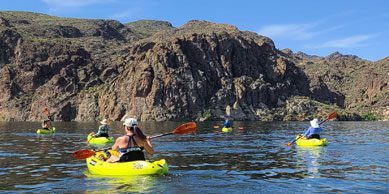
(369, 117)
(203, 115)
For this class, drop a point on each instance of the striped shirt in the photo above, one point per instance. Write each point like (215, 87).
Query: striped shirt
(103, 129)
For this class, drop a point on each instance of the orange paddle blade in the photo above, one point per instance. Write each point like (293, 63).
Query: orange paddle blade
(332, 115)
(185, 128)
(45, 111)
(83, 154)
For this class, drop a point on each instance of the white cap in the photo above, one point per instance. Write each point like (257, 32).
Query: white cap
(315, 123)
(130, 122)
(104, 122)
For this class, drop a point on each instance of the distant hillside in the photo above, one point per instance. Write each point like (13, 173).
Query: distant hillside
(84, 69)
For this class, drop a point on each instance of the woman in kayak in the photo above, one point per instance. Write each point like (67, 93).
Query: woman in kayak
(314, 130)
(103, 128)
(131, 145)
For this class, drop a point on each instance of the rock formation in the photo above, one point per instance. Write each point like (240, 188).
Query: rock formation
(85, 69)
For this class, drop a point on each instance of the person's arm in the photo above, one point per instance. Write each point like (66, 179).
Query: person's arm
(116, 145)
(307, 132)
(99, 131)
(148, 146)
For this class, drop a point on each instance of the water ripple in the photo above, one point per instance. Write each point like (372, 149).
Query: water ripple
(250, 161)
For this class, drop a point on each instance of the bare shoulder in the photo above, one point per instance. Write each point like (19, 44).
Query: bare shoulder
(120, 139)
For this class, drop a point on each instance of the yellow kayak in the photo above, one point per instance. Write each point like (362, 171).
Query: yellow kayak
(99, 140)
(45, 131)
(311, 142)
(225, 129)
(140, 167)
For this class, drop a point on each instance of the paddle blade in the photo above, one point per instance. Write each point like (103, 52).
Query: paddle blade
(185, 128)
(45, 111)
(289, 144)
(332, 115)
(83, 154)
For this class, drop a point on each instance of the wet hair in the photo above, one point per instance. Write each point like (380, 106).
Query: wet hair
(138, 132)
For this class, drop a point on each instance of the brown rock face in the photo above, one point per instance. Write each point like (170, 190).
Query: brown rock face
(357, 85)
(85, 69)
(177, 77)
(10, 39)
(46, 75)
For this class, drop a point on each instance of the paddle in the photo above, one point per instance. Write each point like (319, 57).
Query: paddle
(331, 116)
(182, 129)
(91, 137)
(47, 113)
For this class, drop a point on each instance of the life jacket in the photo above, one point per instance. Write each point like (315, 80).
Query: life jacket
(131, 153)
(227, 124)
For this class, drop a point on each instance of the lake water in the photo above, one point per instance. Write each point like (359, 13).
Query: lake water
(248, 161)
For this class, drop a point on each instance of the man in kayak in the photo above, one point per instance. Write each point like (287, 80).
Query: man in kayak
(46, 124)
(314, 130)
(131, 145)
(227, 123)
(103, 128)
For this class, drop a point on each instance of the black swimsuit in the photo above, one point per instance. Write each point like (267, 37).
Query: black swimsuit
(131, 153)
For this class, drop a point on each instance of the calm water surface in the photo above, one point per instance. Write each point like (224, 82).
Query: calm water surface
(253, 160)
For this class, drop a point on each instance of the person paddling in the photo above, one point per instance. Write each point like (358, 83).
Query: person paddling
(131, 145)
(314, 130)
(46, 124)
(103, 128)
(227, 123)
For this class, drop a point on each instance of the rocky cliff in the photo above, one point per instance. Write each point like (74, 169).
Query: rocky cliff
(84, 69)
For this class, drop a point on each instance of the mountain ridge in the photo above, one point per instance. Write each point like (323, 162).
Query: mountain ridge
(83, 69)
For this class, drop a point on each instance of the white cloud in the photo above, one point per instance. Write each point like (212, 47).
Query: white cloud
(74, 3)
(294, 31)
(125, 14)
(348, 42)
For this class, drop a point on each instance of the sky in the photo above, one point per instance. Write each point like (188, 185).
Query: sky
(316, 27)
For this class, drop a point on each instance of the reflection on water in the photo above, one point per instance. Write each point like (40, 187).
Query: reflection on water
(310, 156)
(106, 184)
(250, 160)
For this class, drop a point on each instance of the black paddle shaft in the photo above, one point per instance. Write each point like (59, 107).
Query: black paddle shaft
(155, 136)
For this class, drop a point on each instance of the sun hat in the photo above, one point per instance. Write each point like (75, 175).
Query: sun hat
(104, 122)
(130, 122)
(315, 123)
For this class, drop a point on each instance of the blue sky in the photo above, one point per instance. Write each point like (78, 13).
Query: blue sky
(317, 27)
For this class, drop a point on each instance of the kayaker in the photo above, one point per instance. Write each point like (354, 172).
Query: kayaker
(314, 130)
(103, 128)
(46, 124)
(227, 123)
(131, 145)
